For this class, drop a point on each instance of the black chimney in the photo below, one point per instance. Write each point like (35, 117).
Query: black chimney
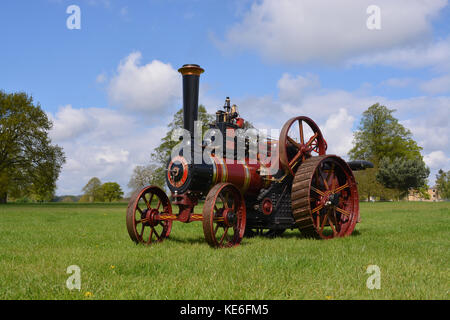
(191, 76)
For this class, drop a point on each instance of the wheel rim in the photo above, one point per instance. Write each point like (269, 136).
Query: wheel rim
(325, 198)
(307, 140)
(224, 216)
(143, 213)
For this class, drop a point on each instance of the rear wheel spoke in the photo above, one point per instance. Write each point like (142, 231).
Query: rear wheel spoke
(341, 188)
(323, 222)
(344, 212)
(332, 225)
(316, 209)
(324, 180)
(317, 191)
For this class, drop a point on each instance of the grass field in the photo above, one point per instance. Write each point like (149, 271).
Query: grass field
(410, 243)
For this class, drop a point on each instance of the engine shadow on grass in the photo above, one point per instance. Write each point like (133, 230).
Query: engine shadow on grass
(355, 233)
(189, 240)
(287, 235)
(294, 235)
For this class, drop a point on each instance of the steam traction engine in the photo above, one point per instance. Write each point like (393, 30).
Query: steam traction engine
(311, 190)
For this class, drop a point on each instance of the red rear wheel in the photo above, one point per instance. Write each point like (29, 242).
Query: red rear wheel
(324, 198)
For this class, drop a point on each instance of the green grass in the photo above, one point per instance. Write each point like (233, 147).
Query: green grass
(408, 241)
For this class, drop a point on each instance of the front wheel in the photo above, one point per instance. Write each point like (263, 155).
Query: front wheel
(144, 209)
(224, 216)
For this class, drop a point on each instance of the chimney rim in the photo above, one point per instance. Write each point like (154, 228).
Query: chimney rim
(191, 69)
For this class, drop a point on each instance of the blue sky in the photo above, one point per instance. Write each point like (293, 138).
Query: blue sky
(111, 87)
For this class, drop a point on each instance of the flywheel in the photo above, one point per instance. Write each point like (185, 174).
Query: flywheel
(324, 198)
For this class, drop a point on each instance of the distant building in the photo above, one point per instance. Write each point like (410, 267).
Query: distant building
(415, 195)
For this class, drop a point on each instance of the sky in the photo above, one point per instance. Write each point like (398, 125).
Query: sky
(110, 83)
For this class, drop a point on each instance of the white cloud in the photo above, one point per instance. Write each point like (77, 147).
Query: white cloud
(155, 86)
(437, 160)
(399, 82)
(430, 128)
(338, 132)
(263, 112)
(319, 105)
(328, 30)
(293, 89)
(422, 55)
(103, 143)
(110, 155)
(69, 123)
(437, 85)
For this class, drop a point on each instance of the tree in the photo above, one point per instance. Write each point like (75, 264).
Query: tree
(147, 175)
(84, 198)
(67, 199)
(93, 190)
(443, 184)
(112, 191)
(403, 174)
(29, 163)
(379, 136)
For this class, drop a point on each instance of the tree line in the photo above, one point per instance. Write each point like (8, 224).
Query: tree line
(96, 191)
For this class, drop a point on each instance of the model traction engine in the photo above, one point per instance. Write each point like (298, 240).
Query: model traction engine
(311, 191)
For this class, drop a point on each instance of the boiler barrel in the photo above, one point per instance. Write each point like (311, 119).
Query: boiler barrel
(182, 176)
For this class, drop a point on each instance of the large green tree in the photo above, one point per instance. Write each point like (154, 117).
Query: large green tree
(29, 163)
(381, 136)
